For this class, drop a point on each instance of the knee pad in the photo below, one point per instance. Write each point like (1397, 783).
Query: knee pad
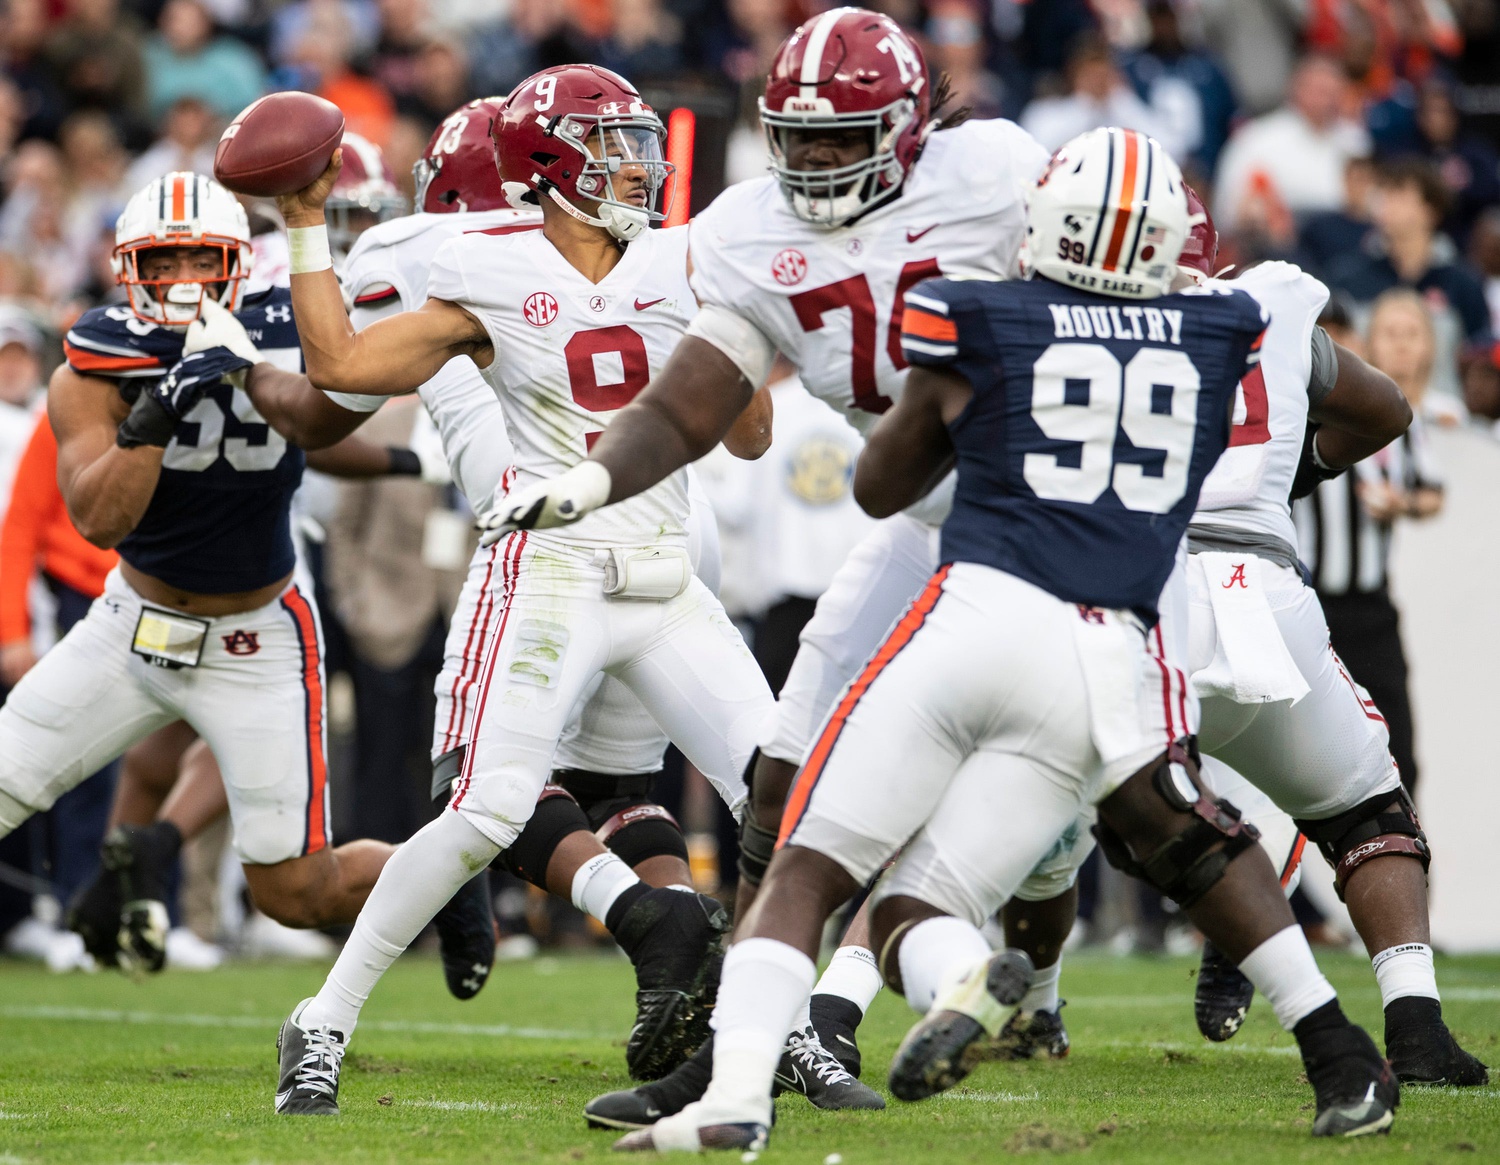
(1375, 828)
(556, 817)
(445, 770)
(757, 848)
(1189, 865)
(641, 830)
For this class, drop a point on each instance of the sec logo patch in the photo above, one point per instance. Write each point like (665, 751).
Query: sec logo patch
(540, 309)
(789, 268)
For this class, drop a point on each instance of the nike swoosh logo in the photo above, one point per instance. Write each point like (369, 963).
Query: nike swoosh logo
(639, 306)
(281, 1098)
(792, 1081)
(913, 236)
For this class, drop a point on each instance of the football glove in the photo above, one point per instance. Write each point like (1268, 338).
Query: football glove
(216, 327)
(154, 415)
(558, 501)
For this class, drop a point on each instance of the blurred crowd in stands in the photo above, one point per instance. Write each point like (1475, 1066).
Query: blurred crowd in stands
(1357, 138)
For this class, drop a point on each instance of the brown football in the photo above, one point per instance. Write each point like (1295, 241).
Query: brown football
(278, 144)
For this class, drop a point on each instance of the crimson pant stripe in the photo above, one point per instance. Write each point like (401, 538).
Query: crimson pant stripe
(514, 545)
(479, 623)
(1159, 655)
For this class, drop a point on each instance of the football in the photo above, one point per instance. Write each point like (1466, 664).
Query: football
(278, 144)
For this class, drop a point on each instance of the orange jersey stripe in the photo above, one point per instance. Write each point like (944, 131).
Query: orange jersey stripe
(312, 684)
(1127, 201)
(85, 361)
(1294, 860)
(900, 636)
(927, 326)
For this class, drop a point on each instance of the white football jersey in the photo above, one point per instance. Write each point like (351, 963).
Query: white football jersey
(569, 354)
(1248, 489)
(387, 273)
(831, 299)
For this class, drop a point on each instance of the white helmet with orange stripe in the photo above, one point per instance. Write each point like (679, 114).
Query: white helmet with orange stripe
(1108, 215)
(181, 210)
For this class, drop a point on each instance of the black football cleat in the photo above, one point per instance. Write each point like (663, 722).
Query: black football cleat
(947, 1043)
(1355, 1089)
(835, 1020)
(811, 1069)
(1422, 1050)
(467, 937)
(1222, 996)
(141, 860)
(676, 941)
(645, 1104)
(94, 915)
(1030, 1035)
(308, 1084)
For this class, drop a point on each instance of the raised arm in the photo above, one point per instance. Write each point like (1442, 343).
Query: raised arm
(106, 486)
(910, 450)
(1363, 413)
(394, 355)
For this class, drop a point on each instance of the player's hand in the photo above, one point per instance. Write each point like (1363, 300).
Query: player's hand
(216, 327)
(1383, 502)
(16, 659)
(558, 501)
(304, 208)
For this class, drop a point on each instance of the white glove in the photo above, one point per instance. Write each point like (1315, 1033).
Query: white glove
(216, 327)
(558, 501)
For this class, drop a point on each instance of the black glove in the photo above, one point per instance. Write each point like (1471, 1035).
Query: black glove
(154, 415)
(1310, 474)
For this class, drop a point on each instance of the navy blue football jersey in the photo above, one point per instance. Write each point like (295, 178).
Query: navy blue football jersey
(1093, 424)
(220, 519)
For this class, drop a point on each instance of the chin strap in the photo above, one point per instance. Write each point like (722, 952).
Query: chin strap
(624, 223)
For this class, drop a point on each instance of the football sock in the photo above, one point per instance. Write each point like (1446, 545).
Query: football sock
(1043, 993)
(852, 975)
(1405, 970)
(1284, 971)
(763, 986)
(935, 953)
(415, 884)
(599, 883)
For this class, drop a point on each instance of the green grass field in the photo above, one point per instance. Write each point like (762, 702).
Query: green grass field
(181, 1068)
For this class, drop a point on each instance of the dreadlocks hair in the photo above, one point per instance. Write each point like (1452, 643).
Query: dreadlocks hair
(942, 93)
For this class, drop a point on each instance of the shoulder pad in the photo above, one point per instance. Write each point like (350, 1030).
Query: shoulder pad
(114, 342)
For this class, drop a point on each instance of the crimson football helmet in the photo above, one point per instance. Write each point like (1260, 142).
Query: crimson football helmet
(567, 133)
(456, 171)
(363, 194)
(1200, 252)
(848, 68)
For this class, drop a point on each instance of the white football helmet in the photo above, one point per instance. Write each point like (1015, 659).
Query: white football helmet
(181, 210)
(1108, 215)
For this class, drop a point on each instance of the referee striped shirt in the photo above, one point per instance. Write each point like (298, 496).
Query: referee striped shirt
(1346, 550)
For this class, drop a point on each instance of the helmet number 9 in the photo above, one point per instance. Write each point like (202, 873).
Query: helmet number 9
(546, 90)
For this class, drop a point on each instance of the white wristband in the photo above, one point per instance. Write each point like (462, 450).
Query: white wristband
(309, 249)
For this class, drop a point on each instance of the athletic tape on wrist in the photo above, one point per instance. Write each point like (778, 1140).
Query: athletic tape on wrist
(308, 247)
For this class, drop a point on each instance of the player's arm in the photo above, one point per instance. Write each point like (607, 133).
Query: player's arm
(394, 355)
(288, 402)
(750, 435)
(1362, 414)
(105, 485)
(355, 458)
(910, 450)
